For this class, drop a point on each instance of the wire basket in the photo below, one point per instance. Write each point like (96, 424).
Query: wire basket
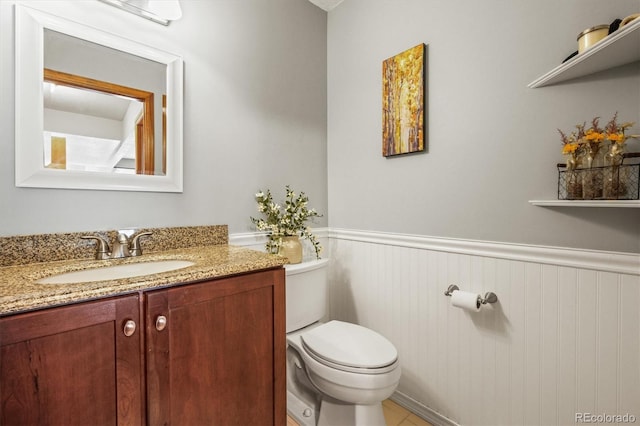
(600, 183)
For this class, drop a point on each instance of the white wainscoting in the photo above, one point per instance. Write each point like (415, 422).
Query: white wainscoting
(564, 337)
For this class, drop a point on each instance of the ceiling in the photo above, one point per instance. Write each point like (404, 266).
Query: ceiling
(85, 102)
(326, 4)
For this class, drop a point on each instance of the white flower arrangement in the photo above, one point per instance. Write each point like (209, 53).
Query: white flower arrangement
(287, 222)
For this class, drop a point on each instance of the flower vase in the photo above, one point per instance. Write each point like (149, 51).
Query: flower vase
(592, 180)
(291, 248)
(574, 185)
(574, 178)
(614, 185)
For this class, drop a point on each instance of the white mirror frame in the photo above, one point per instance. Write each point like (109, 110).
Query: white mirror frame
(29, 148)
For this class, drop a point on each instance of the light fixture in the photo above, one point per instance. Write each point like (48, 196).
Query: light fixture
(159, 11)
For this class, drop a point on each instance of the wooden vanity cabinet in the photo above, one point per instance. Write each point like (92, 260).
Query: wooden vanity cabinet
(209, 353)
(216, 352)
(72, 365)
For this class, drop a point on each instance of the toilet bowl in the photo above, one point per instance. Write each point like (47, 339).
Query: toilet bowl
(337, 372)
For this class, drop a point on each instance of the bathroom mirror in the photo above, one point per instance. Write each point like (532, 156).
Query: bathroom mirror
(129, 124)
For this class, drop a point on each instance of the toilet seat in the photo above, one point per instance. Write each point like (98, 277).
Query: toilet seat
(353, 385)
(350, 347)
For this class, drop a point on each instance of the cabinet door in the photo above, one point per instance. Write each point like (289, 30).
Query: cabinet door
(220, 360)
(72, 365)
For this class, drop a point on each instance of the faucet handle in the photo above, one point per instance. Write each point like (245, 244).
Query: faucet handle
(134, 246)
(102, 247)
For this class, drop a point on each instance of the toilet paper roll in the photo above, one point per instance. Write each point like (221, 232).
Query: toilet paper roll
(465, 300)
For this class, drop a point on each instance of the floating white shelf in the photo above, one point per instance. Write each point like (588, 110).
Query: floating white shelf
(586, 203)
(620, 48)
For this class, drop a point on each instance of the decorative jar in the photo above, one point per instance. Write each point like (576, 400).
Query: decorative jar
(291, 248)
(591, 36)
(614, 183)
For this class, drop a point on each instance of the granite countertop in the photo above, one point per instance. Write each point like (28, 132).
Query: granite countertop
(19, 292)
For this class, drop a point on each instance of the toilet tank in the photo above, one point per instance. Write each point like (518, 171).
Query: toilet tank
(306, 289)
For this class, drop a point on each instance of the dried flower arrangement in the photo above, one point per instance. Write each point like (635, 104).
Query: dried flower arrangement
(594, 168)
(583, 144)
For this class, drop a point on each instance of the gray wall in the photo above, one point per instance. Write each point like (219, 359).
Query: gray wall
(254, 116)
(492, 142)
(256, 75)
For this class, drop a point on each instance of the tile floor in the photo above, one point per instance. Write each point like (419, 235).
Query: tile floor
(394, 414)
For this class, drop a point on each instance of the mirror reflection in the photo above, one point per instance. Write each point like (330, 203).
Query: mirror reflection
(104, 109)
(136, 146)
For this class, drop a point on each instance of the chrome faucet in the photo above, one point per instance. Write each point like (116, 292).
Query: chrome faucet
(122, 246)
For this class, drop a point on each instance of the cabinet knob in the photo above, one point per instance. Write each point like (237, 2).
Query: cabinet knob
(129, 328)
(161, 322)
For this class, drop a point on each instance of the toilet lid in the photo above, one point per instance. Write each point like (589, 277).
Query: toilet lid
(350, 345)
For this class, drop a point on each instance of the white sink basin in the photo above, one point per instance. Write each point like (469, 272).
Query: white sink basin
(116, 272)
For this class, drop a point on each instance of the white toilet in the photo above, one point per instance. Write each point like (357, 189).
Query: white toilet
(338, 373)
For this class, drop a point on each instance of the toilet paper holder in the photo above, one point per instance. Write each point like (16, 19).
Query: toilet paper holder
(489, 297)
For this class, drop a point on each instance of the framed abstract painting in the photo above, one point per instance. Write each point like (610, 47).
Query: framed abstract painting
(403, 102)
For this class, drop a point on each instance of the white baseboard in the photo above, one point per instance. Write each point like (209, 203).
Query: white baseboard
(424, 412)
